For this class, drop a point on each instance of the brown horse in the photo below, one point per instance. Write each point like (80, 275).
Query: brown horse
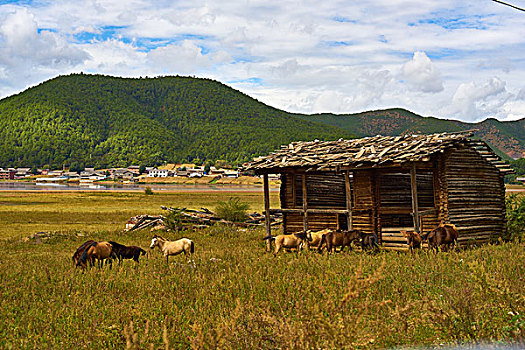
(369, 241)
(341, 239)
(444, 235)
(414, 239)
(294, 240)
(80, 250)
(96, 251)
(121, 251)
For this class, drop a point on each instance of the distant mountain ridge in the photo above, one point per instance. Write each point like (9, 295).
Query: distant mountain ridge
(105, 121)
(507, 138)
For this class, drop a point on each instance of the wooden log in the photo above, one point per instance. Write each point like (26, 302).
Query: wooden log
(305, 203)
(413, 186)
(348, 194)
(267, 210)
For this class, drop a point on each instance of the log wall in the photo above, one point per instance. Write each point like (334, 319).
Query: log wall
(475, 196)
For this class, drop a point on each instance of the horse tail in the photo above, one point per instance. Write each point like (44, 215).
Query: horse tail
(80, 249)
(83, 257)
(192, 247)
(375, 241)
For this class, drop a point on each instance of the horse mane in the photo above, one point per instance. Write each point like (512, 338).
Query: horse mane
(83, 257)
(117, 245)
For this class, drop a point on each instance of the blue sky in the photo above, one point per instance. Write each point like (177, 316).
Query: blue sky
(448, 59)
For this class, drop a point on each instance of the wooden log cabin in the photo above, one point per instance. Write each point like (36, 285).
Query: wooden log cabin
(387, 184)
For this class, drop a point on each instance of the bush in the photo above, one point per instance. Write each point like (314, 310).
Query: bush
(515, 215)
(148, 190)
(174, 220)
(232, 210)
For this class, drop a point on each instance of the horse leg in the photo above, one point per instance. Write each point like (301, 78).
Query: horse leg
(277, 249)
(167, 259)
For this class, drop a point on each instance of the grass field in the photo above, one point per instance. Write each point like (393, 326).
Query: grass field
(234, 294)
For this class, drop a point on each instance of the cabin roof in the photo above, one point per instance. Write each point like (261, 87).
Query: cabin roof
(377, 151)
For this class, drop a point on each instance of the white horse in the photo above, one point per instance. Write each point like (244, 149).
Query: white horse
(173, 247)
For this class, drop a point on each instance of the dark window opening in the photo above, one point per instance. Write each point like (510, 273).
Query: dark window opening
(342, 222)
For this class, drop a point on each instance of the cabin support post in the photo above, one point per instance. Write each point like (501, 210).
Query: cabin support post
(415, 208)
(267, 222)
(348, 192)
(305, 204)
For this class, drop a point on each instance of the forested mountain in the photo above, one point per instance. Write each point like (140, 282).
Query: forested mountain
(105, 121)
(506, 138)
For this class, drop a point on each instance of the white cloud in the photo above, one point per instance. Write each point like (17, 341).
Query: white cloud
(28, 55)
(421, 73)
(185, 58)
(22, 41)
(514, 110)
(308, 56)
(472, 99)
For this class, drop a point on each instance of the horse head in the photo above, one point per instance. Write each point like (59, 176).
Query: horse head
(354, 235)
(309, 235)
(303, 235)
(154, 242)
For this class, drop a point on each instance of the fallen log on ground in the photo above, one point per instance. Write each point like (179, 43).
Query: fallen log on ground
(181, 218)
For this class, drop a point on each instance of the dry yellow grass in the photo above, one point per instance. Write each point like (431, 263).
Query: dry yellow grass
(234, 295)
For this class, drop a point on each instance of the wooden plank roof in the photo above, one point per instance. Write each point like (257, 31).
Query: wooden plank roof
(377, 151)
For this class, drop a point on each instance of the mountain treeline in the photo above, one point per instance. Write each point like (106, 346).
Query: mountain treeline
(104, 121)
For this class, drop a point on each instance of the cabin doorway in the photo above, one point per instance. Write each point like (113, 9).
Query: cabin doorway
(395, 203)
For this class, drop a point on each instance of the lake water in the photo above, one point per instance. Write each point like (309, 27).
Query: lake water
(32, 186)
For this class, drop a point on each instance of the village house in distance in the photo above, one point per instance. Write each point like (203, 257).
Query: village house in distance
(131, 174)
(387, 184)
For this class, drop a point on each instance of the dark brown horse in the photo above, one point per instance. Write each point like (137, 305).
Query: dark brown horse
(96, 251)
(121, 251)
(369, 241)
(441, 236)
(80, 250)
(338, 239)
(414, 239)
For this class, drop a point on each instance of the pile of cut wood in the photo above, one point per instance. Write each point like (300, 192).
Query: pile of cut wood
(183, 218)
(139, 222)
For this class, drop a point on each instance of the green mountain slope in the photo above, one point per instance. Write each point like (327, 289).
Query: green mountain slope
(507, 138)
(106, 121)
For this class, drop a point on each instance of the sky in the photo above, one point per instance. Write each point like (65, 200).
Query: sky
(460, 60)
